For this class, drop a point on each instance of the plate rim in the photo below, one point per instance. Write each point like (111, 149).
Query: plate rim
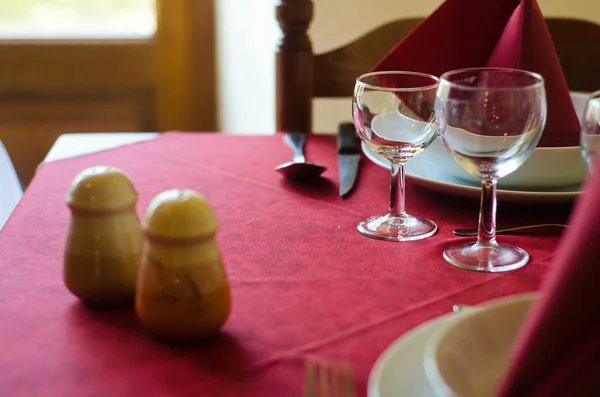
(391, 349)
(456, 187)
(373, 389)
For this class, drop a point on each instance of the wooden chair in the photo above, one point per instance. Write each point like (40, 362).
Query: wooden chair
(302, 75)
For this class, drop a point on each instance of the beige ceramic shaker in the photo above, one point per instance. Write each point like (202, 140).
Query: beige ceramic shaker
(182, 293)
(105, 240)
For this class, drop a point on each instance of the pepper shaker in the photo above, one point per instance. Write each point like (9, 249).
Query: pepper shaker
(105, 239)
(182, 292)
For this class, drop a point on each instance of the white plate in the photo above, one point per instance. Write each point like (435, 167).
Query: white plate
(399, 370)
(423, 173)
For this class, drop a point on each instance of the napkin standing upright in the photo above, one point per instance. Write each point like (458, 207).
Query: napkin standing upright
(558, 350)
(491, 33)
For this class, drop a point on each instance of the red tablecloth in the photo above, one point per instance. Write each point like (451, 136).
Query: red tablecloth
(304, 281)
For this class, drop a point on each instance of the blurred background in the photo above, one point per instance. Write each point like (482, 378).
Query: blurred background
(157, 65)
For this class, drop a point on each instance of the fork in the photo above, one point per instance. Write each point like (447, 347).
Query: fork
(473, 232)
(325, 380)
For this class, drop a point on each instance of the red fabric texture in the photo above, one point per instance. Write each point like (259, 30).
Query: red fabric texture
(304, 282)
(477, 33)
(558, 351)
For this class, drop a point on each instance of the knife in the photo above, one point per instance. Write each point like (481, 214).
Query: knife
(348, 157)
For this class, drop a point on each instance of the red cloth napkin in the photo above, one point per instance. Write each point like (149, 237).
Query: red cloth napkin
(477, 33)
(558, 351)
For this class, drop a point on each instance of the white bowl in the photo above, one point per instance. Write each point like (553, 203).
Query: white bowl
(547, 168)
(467, 357)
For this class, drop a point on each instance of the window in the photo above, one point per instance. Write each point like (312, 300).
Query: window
(77, 19)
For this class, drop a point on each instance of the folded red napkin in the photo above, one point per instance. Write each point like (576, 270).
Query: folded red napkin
(495, 33)
(558, 350)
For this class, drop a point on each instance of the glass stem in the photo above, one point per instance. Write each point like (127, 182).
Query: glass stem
(487, 215)
(397, 189)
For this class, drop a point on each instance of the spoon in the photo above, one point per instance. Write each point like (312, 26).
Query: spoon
(298, 168)
(473, 232)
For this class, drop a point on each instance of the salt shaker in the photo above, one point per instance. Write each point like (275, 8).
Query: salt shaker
(182, 293)
(105, 239)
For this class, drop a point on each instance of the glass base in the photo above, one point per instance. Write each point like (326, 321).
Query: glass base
(492, 257)
(396, 228)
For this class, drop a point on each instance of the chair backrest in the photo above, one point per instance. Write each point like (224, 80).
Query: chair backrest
(302, 75)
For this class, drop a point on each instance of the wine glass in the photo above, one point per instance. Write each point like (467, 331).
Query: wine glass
(393, 113)
(490, 120)
(590, 129)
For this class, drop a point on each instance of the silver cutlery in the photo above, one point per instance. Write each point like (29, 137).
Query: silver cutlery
(507, 230)
(327, 380)
(299, 168)
(348, 157)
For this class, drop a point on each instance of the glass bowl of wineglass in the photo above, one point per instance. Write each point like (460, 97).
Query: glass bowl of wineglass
(489, 120)
(590, 129)
(393, 113)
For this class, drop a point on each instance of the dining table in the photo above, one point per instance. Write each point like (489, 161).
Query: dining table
(305, 284)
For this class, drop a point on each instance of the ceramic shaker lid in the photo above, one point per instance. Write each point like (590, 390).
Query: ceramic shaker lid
(180, 214)
(101, 188)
